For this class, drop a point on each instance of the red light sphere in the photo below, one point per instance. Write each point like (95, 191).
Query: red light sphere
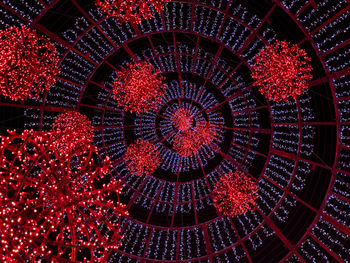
(132, 11)
(55, 209)
(72, 133)
(281, 71)
(138, 87)
(234, 194)
(28, 63)
(206, 132)
(189, 142)
(142, 158)
(182, 119)
(186, 143)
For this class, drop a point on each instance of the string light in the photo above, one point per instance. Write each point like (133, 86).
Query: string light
(281, 71)
(28, 63)
(138, 87)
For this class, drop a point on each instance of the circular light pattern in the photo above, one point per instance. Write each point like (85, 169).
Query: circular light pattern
(55, 208)
(205, 52)
(281, 71)
(72, 133)
(29, 64)
(138, 87)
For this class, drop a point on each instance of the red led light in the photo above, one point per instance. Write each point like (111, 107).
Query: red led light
(142, 158)
(138, 87)
(132, 11)
(72, 133)
(206, 132)
(234, 194)
(182, 119)
(189, 142)
(29, 64)
(281, 71)
(55, 209)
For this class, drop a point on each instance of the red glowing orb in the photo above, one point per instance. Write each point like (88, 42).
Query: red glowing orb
(138, 87)
(142, 158)
(72, 133)
(281, 71)
(55, 209)
(188, 143)
(234, 194)
(182, 119)
(28, 63)
(132, 11)
(206, 132)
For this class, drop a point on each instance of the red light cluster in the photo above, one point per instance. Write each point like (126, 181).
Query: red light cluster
(182, 119)
(138, 87)
(55, 208)
(132, 11)
(142, 158)
(29, 64)
(234, 194)
(188, 143)
(72, 132)
(281, 71)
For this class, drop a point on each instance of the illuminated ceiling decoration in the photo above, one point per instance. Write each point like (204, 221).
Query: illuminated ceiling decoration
(71, 133)
(281, 71)
(142, 158)
(28, 63)
(55, 208)
(182, 119)
(234, 194)
(188, 142)
(297, 151)
(138, 87)
(130, 11)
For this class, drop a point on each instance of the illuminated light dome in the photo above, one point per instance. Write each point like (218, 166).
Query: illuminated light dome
(281, 71)
(55, 208)
(28, 64)
(234, 194)
(182, 119)
(297, 150)
(72, 133)
(142, 158)
(132, 11)
(138, 87)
